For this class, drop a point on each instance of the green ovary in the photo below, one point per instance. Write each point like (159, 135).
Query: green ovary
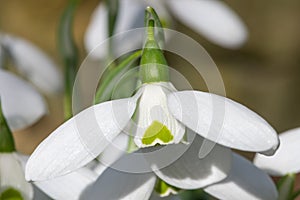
(157, 131)
(11, 194)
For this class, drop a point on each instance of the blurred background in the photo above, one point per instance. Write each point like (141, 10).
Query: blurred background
(263, 74)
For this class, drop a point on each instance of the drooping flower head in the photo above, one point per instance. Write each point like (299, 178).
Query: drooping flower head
(163, 117)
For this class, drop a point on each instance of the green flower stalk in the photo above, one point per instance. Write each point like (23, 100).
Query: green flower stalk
(69, 54)
(6, 139)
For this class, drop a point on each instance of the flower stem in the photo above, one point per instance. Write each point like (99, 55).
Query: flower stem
(105, 89)
(69, 53)
(6, 139)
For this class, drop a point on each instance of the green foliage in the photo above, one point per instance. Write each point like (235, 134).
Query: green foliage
(6, 139)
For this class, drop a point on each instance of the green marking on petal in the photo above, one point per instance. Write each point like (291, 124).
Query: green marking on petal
(11, 194)
(157, 131)
(164, 189)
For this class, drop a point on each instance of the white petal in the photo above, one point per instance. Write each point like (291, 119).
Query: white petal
(130, 16)
(79, 140)
(153, 107)
(34, 64)
(12, 175)
(22, 104)
(223, 121)
(245, 181)
(191, 172)
(39, 195)
(115, 150)
(213, 18)
(97, 31)
(286, 159)
(113, 184)
(69, 186)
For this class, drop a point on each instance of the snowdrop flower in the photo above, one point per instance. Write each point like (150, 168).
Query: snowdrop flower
(22, 104)
(12, 180)
(162, 116)
(213, 19)
(32, 63)
(286, 159)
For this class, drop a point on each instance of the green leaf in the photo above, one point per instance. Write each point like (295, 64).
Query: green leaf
(69, 53)
(6, 139)
(11, 194)
(105, 89)
(285, 187)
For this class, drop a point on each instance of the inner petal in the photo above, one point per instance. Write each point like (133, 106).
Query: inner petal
(155, 124)
(157, 132)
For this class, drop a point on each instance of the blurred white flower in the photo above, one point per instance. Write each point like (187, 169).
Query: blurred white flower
(12, 179)
(22, 105)
(32, 63)
(286, 159)
(211, 18)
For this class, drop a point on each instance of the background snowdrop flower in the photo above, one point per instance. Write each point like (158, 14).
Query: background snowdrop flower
(32, 63)
(22, 104)
(286, 159)
(213, 19)
(12, 181)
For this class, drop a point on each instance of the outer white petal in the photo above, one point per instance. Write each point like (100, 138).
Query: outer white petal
(223, 121)
(34, 64)
(22, 104)
(115, 150)
(153, 107)
(246, 182)
(286, 159)
(191, 172)
(79, 140)
(11, 175)
(130, 16)
(213, 18)
(40, 195)
(69, 186)
(113, 184)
